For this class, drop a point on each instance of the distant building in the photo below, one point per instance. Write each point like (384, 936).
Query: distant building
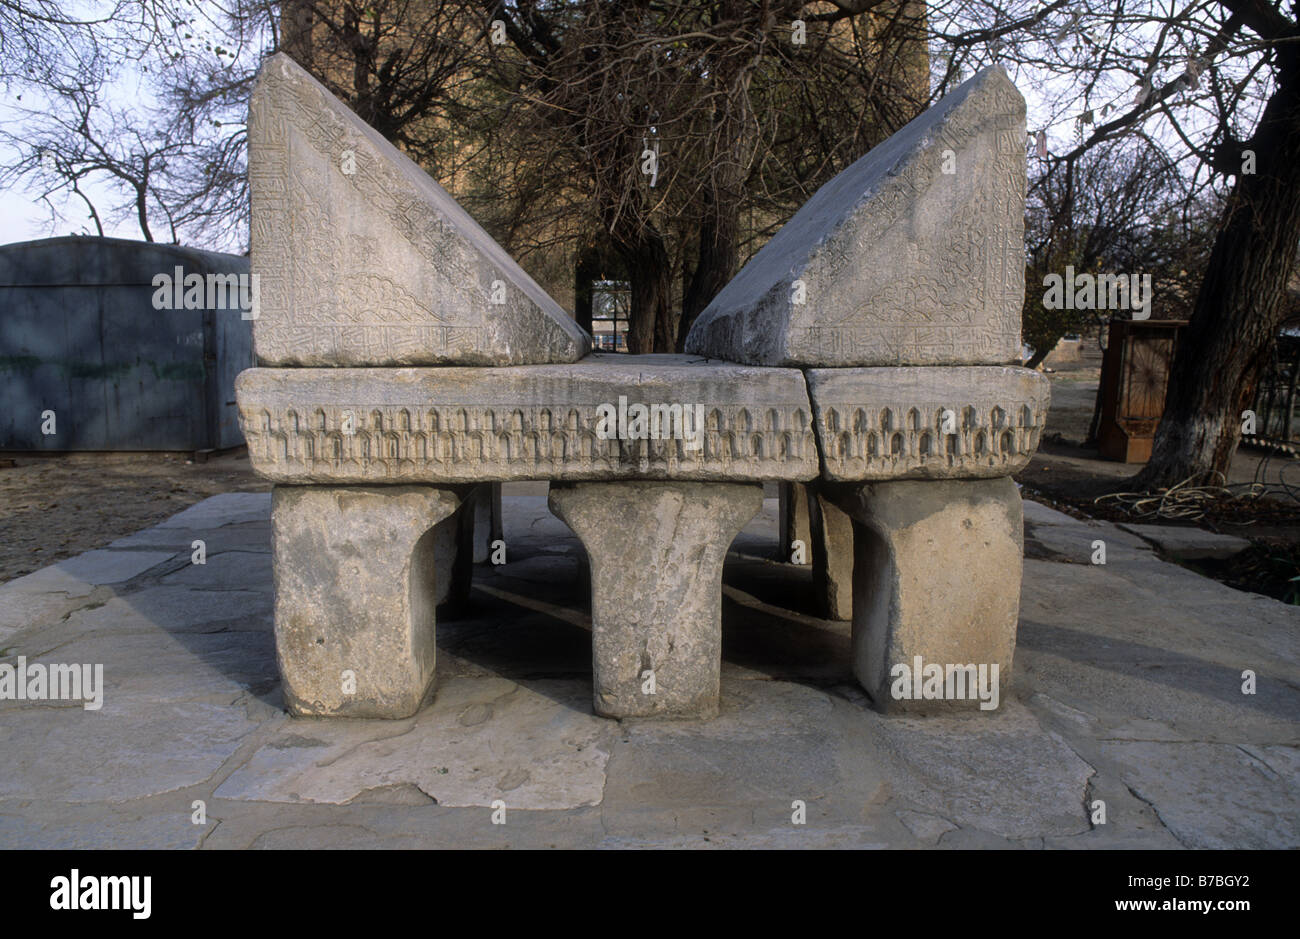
(101, 349)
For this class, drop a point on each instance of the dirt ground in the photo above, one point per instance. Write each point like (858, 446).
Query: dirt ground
(1261, 501)
(1066, 470)
(57, 506)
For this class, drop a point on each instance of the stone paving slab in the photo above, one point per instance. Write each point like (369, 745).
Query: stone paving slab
(49, 591)
(479, 741)
(1189, 544)
(1127, 690)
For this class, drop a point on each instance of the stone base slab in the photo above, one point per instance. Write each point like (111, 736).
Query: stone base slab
(957, 422)
(580, 422)
(448, 425)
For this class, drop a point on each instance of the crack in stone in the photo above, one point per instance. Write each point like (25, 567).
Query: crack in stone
(1088, 800)
(216, 823)
(361, 743)
(1260, 761)
(256, 738)
(1156, 812)
(269, 831)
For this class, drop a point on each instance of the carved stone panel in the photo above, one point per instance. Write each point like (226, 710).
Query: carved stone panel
(927, 423)
(362, 259)
(912, 256)
(703, 421)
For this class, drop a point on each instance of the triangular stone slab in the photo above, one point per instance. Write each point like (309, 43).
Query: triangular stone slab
(362, 259)
(914, 255)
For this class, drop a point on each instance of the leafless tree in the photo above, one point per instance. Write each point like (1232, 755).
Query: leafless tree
(551, 129)
(690, 116)
(1216, 83)
(177, 164)
(1129, 210)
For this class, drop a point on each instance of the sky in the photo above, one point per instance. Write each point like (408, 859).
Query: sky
(23, 216)
(26, 217)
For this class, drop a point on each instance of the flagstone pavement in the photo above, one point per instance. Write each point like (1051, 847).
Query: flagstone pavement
(1127, 725)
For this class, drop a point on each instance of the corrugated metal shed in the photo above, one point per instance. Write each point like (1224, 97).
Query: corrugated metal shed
(80, 336)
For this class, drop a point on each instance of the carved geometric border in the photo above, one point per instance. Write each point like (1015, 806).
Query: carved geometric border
(399, 432)
(872, 431)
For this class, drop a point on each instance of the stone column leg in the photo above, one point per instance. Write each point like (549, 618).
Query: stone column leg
(446, 552)
(936, 576)
(462, 568)
(487, 520)
(453, 550)
(656, 551)
(355, 593)
(832, 556)
(498, 526)
(792, 503)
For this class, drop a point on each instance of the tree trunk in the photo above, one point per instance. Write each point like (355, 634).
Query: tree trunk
(1036, 359)
(719, 245)
(718, 258)
(585, 271)
(1239, 307)
(142, 208)
(650, 275)
(295, 31)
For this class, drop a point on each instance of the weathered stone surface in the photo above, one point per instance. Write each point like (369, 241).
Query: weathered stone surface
(832, 557)
(719, 774)
(178, 609)
(224, 571)
(911, 256)
(481, 740)
(1127, 688)
(1141, 643)
(78, 576)
(228, 508)
(244, 536)
(1189, 544)
(1017, 782)
(656, 551)
(93, 826)
(140, 748)
(1189, 781)
(438, 425)
(936, 575)
(364, 260)
(54, 589)
(1055, 536)
(927, 423)
(355, 590)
